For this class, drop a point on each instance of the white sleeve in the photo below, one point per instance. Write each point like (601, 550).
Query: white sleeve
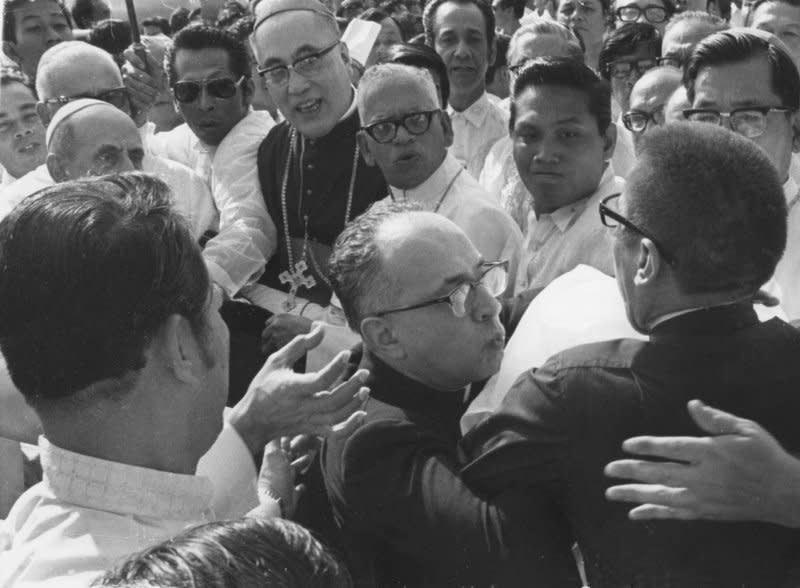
(247, 236)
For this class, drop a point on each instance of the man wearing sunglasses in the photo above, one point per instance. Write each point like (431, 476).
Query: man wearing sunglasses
(747, 81)
(73, 70)
(311, 171)
(422, 298)
(699, 228)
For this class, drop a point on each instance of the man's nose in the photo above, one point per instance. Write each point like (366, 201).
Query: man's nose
(485, 306)
(205, 101)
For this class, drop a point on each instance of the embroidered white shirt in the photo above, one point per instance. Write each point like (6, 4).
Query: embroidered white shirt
(475, 130)
(559, 241)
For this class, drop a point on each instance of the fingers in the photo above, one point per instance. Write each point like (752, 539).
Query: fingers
(671, 474)
(686, 449)
(765, 298)
(352, 390)
(348, 427)
(656, 494)
(289, 354)
(333, 371)
(715, 421)
(654, 511)
(300, 464)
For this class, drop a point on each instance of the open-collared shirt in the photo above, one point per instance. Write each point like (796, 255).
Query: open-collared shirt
(475, 130)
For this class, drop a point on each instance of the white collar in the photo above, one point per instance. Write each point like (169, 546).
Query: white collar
(475, 113)
(99, 484)
(432, 189)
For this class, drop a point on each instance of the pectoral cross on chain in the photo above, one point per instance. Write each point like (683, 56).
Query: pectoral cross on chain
(296, 279)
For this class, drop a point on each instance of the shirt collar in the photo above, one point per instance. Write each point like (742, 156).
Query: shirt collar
(429, 191)
(564, 216)
(475, 113)
(6, 178)
(98, 484)
(791, 191)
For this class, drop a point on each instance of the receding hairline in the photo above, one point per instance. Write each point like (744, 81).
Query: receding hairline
(54, 63)
(378, 76)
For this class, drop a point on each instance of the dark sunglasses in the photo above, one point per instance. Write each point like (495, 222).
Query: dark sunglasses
(217, 88)
(117, 97)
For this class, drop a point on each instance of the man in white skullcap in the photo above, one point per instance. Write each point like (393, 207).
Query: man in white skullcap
(312, 174)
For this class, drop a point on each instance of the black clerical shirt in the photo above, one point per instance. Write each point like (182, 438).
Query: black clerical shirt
(561, 424)
(317, 189)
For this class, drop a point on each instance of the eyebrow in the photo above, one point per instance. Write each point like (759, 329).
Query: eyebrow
(457, 279)
(295, 55)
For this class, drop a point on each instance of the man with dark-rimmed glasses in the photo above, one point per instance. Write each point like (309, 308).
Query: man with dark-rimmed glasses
(698, 229)
(747, 81)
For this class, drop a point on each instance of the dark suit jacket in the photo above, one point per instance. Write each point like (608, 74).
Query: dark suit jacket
(560, 425)
(406, 517)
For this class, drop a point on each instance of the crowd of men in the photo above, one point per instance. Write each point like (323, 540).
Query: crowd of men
(397, 294)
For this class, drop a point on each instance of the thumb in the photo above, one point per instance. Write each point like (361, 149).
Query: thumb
(715, 421)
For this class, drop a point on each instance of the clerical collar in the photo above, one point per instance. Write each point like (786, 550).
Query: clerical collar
(709, 320)
(391, 387)
(431, 190)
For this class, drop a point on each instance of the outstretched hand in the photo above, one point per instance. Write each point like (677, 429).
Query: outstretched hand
(281, 403)
(738, 473)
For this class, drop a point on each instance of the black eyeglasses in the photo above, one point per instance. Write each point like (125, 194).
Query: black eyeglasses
(636, 121)
(612, 218)
(623, 69)
(750, 121)
(416, 123)
(671, 61)
(117, 97)
(461, 298)
(653, 13)
(307, 66)
(218, 88)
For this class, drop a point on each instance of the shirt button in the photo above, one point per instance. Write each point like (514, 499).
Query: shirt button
(310, 166)
(308, 192)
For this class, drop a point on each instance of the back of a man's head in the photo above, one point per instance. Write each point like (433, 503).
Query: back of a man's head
(70, 62)
(246, 553)
(89, 272)
(570, 43)
(735, 46)
(714, 201)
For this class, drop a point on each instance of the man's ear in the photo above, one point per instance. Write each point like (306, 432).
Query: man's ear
(379, 337)
(345, 53)
(57, 169)
(363, 144)
(177, 344)
(649, 262)
(447, 126)
(609, 141)
(795, 132)
(44, 113)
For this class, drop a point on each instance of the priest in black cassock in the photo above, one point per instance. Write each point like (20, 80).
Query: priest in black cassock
(312, 174)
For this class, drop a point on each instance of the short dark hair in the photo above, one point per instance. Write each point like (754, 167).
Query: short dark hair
(13, 75)
(200, 36)
(735, 46)
(517, 5)
(82, 13)
(355, 267)
(157, 21)
(547, 71)
(625, 41)
(89, 271)
(714, 201)
(10, 22)
(234, 554)
(178, 19)
(113, 36)
(429, 17)
(420, 55)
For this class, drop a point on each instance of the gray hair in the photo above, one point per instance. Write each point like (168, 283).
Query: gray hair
(384, 73)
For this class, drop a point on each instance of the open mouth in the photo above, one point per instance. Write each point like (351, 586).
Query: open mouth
(309, 106)
(29, 148)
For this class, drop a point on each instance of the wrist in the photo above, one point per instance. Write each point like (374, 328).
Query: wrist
(248, 430)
